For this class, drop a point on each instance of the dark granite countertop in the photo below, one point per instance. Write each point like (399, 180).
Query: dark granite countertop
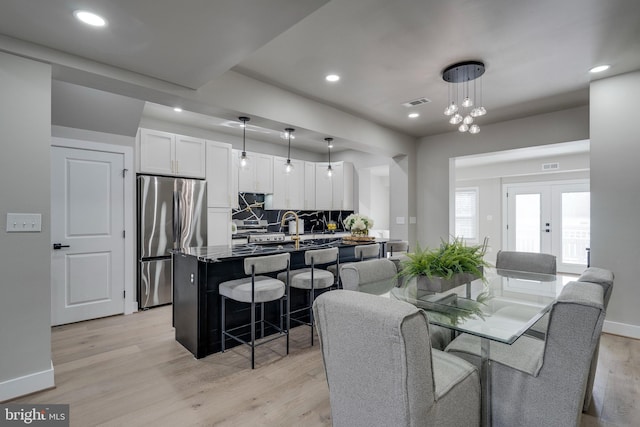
(223, 253)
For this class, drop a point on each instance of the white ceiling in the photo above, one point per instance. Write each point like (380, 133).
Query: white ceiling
(537, 53)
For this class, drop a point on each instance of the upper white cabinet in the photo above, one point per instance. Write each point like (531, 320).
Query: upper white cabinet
(165, 153)
(336, 192)
(219, 166)
(288, 189)
(309, 186)
(257, 176)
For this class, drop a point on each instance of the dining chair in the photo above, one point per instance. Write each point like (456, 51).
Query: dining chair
(534, 382)
(381, 369)
(361, 253)
(531, 262)
(604, 278)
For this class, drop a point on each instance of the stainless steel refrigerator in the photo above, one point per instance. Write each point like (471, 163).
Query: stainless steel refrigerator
(172, 213)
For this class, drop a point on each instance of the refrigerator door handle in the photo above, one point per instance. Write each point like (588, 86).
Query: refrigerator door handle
(176, 219)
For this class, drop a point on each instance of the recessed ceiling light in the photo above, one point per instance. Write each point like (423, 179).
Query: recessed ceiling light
(90, 18)
(332, 78)
(599, 69)
(413, 115)
(177, 109)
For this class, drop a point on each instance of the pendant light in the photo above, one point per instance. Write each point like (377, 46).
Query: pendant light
(329, 145)
(288, 167)
(461, 77)
(243, 156)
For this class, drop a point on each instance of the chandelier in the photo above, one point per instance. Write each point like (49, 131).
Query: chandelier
(465, 106)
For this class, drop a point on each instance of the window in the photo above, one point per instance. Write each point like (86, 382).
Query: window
(467, 214)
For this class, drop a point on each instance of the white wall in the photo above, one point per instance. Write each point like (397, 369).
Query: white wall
(434, 152)
(25, 258)
(615, 195)
(489, 179)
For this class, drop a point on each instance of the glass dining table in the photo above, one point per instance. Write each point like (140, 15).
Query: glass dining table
(501, 308)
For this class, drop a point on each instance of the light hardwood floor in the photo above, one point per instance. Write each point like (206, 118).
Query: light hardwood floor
(130, 371)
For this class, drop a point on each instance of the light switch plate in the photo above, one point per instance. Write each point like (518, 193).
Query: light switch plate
(24, 223)
(399, 220)
(412, 220)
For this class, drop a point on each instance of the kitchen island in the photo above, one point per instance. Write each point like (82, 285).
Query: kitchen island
(198, 271)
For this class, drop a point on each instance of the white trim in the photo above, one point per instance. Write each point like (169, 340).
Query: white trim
(130, 305)
(27, 384)
(622, 329)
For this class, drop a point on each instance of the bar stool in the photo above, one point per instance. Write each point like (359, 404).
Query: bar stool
(258, 289)
(397, 252)
(312, 278)
(362, 252)
(396, 247)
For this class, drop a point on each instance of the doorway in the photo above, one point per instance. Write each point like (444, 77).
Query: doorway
(549, 217)
(90, 267)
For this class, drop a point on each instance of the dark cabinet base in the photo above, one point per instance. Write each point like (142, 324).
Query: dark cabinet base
(196, 301)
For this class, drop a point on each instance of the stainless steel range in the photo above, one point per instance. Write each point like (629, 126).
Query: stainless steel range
(255, 231)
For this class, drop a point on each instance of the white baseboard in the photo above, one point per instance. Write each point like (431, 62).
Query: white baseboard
(623, 329)
(27, 384)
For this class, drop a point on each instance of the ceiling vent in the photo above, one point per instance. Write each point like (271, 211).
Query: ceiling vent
(550, 166)
(416, 102)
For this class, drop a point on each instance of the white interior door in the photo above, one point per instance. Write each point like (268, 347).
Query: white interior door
(87, 224)
(550, 218)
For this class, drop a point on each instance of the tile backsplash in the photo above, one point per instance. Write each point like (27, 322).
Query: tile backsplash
(252, 207)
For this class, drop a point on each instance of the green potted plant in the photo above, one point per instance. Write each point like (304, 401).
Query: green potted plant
(452, 264)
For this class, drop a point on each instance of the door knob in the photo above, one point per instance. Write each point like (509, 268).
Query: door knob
(59, 246)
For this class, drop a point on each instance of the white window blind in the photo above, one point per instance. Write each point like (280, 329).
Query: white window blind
(467, 213)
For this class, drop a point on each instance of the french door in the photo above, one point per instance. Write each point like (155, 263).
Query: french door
(550, 218)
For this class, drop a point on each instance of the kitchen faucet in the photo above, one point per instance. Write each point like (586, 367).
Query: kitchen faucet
(296, 239)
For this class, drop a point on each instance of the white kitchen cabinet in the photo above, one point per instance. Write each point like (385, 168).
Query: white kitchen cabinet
(165, 153)
(218, 226)
(257, 176)
(335, 193)
(219, 167)
(288, 189)
(309, 186)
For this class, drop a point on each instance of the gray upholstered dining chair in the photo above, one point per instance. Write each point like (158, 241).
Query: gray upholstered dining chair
(604, 278)
(599, 276)
(534, 382)
(374, 276)
(532, 262)
(361, 253)
(381, 370)
(378, 277)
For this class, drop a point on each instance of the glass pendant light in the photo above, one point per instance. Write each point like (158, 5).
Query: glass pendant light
(243, 157)
(329, 145)
(288, 167)
(456, 119)
(465, 94)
